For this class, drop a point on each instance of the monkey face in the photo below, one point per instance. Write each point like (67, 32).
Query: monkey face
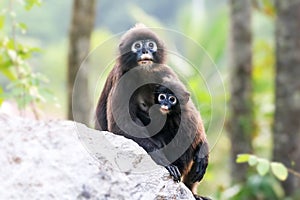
(144, 50)
(140, 47)
(166, 101)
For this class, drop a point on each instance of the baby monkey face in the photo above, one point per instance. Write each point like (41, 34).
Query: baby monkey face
(166, 101)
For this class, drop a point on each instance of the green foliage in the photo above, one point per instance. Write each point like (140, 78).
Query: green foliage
(1, 94)
(31, 3)
(208, 56)
(2, 20)
(255, 188)
(23, 85)
(263, 83)
(279, 170)
(208, 29)
(263, 166)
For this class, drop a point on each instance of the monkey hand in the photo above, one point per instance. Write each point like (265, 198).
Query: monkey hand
(161, 159)
(174, 172)
(199, 168)
(200, 162)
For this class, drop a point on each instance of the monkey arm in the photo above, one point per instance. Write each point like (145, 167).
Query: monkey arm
(200, 162)
(160, 159)
(152, 147)
(101, 110)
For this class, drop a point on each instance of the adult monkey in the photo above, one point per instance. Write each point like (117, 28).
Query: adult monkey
(138, 47)
(141, 63)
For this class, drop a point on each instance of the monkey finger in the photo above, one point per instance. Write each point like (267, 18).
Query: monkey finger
(174, 172)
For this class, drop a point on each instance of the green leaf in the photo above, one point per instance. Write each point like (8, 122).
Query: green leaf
(9, 43)
(30, 3)
(279, 170)
(2, 21)
(9, 74)
(242, 158)
(252, 160)
(5, 61)
(23, 27)
(263, 166)
(1, 96)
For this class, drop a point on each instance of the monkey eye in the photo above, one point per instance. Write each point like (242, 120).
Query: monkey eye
(152, 45)
(161, 97)
(136, 46)
(172, 100)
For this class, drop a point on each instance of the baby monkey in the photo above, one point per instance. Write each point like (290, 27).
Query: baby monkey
(181, 142)
(166, 100)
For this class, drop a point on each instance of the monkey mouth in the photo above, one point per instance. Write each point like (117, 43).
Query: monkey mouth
(164, 109)
(145, 59)
(145, 62)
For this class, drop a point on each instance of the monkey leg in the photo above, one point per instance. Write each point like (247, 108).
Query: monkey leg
(187, 180)
(197, 170)
(200, 163)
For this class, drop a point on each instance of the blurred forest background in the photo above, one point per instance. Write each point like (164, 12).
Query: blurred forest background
(245, 58)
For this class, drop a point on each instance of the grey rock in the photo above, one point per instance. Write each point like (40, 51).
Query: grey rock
(67, 160)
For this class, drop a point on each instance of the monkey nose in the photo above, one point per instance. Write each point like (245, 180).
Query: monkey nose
(145, 51)
(165, 106)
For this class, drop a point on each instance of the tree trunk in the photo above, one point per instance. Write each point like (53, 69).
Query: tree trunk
(240, 125)
(82, 24)
(287, 102)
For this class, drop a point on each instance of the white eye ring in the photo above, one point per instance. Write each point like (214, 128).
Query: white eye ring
(172, 100)
(151, 45)
(136, 46)
(162, 97)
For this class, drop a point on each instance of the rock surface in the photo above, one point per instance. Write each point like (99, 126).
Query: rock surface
(66, 160)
